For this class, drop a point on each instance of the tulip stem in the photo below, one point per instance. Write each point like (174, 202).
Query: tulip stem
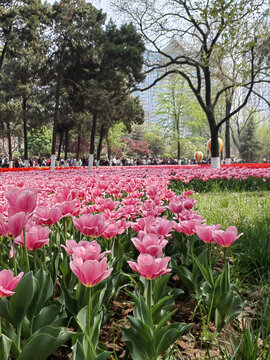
(14, 260)
(149, 301)
(65, 229)
(191, 248)
(225, 256)
(209, 247)
(0, 326)
(19, 329)
(35, 261)
(25, 250)
(89, 322)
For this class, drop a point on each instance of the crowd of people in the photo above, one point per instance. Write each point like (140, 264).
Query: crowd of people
(115, 161)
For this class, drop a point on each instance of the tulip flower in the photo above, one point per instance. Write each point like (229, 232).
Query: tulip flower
(187, 226)
(150, 244)
(36, 237)
(45, 215)
(21, 201)
(90, 225)
(85, 250)
(205, 233)
(8, 282)
(149, 267)
(90, 272)
(113, 228)
(227, 237)
(14, 226)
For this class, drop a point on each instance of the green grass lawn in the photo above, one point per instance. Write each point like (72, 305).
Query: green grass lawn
(250, 213)
(241, 209)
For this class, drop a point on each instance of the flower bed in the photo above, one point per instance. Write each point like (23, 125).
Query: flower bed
(74, 239)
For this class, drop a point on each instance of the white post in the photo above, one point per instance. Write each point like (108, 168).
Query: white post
(11, 164)
(52, 162)
(65, 163)
(179, 162)
(97, 164)
(228, 161)
(90, 162)
(215, 162)
(57, 163)
(26, 163)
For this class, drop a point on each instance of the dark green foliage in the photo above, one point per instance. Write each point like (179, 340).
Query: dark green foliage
(249, 147)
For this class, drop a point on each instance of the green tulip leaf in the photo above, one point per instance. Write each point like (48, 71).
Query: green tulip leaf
(44, 342)
(5, 346)
(47, 316)
(139, 341)
(164, 304)
(185, 275)
(23, 297)
(103, 356)
(160, 288)
(166, 336)
(77, 351)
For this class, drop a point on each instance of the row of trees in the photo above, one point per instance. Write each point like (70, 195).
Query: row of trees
(62, 66)
(220, 48)
(180, 117)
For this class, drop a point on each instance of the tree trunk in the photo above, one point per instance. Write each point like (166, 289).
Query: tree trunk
(56, 108)
(227, 131)
(178, 143)
(60, 144)
(108, 147)
(9, 145)
(78, 149)
(92, 142)
(66, 142)
(101, 136)
(25, 129)
(215, 160)
(4, 50)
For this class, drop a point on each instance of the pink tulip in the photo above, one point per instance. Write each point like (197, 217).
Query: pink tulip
(187, 226)
(21, 200)
(189, 204)
(149, 267)
(8, 282)
(85, 250)
(227, 237)
(90, 272)
(36, 237)
(44, 215)
(176, 206)
(70, 208)
(188, 193)
(150, 244)
(90, 225)
(113, 228)
(205, 233)
(12, 196)
(14, 226)
(160, 226)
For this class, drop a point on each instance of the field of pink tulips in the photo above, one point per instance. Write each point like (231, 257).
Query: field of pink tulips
(97, 265)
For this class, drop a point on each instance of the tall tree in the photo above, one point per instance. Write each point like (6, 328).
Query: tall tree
(177, 110)
(250, 148)
(189, 34)
(101, 82)
(20, 29)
